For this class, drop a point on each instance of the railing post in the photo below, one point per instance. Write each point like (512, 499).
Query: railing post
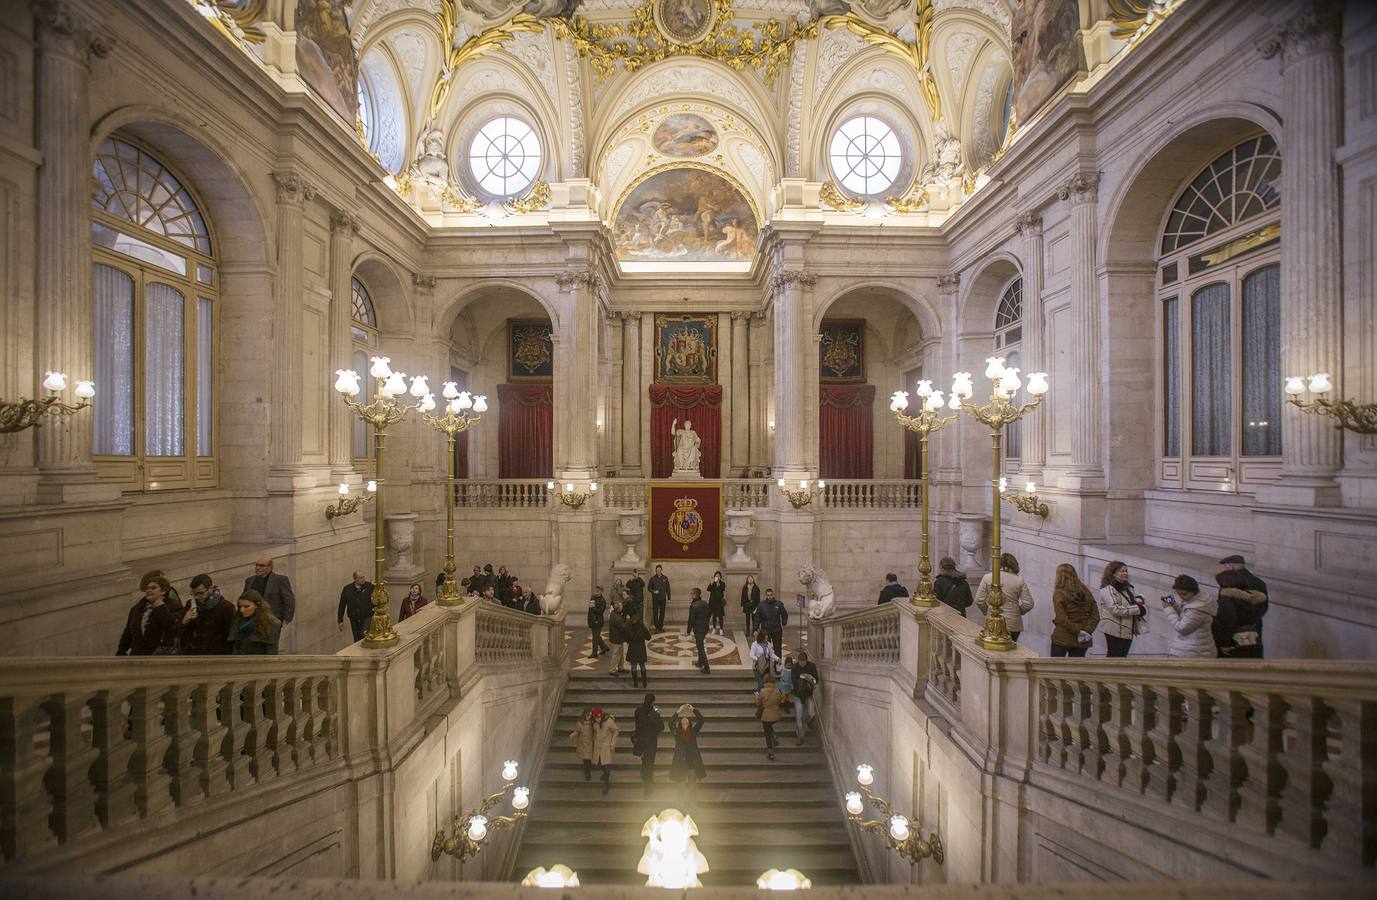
(25, 806)
(114, 782)
(177, 723)
(74, 799)
(152, 787)
(209, 755)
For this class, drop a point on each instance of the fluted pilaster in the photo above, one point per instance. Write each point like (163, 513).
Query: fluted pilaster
(791, 327)
(343, 228)
(1083, 395)
(284, 423)
(66, 43)
(1029, 226)
(1312, 307)
(580, 403)
(631, 390)
(741, 399)
(758, 457)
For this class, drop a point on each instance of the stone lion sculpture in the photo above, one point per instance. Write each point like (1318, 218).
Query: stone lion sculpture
(553, 599)
(821, 597)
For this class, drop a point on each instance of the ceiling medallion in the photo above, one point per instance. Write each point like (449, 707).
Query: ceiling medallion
(684, 22)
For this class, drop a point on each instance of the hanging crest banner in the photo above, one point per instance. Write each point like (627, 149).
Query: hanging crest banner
(685, 522)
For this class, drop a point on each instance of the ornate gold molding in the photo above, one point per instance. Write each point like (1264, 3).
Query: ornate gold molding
(454, 197)
(484, 42)
(537, 199)
(1132, 19)
(834, 198)
(916, 201)
(916, 54)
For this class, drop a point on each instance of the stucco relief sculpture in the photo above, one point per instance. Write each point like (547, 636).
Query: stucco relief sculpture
(821, 596)
(553, 599)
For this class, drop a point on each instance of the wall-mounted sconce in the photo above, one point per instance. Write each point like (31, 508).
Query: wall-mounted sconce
(805, 492)
(1360, 418)
(1027, 501)
(348, 505)
(571, 496)
(24, 413)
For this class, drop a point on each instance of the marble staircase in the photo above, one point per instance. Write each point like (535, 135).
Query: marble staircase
(753, 814)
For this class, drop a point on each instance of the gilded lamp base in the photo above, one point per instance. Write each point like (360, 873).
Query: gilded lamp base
(448, 594)
(380, 630)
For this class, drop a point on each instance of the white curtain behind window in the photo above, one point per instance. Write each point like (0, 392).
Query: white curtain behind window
(1262, 362)
(113, 407)
(164, 358)
(1171, 377)
(1211, 367)
(205, 375)
(360, 429)
(1013, 432)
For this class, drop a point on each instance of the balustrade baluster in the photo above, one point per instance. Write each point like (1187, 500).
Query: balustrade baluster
(1047, 727)
(1348, 799)
(25, 805)
(1113, 710)
(288, 728)
(256, 745)
(208, 755)
(152, 787)
(236, 750)
(1135, 741)
(68, 780)
(112, 739)
(328, 702)
(1227, 769)
(183, 775)
(1297, 793)
(1195, 757)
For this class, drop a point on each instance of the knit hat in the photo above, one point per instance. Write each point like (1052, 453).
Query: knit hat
(597, 712)
(1235, 560)
(946, 564)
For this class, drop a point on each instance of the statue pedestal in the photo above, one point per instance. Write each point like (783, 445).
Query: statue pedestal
(687, 475)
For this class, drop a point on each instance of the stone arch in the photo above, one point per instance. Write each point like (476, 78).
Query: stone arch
(447, 312)
(922, 309)
(391, 299)
(980, 292)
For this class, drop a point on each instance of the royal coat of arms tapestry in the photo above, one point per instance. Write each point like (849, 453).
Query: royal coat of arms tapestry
(531, 353)
(685, 522)
(842, 351)
(685, 349)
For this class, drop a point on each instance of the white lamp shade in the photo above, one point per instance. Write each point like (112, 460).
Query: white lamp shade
(780, 482)
(1010, 382)
(1032, 488)
(347, 382)
(1319, 384)
(453, 407)
(451, 390)
(898, 828)
(372, 487)
(380, 367)
(509, 769)
(865, 774)
(933, 402)
(395, 385)
(343, 488)
(1003, 484)
(549, 485)
(899, 401)
(787, 880)
(821, 484)
(569, 486)
(419, 388)
(961, 385)
(1037, 384)
(854, 806)
(557, 876)
(954, 402)
(465, 400)
(480, 404)
(1295, 385)
(478, 828)
(994, 367)
(86, 389)
(593, 488)
(521, 798)
(803, 484)
(924, 388)
(427, 403)
(54, 381)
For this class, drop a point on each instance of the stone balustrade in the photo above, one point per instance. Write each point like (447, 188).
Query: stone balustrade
(1151, 766)
(737, 493)
(871, 494)
(107, 763)
(504, 494)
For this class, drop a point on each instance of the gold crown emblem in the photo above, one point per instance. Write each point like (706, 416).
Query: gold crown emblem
(685, 503)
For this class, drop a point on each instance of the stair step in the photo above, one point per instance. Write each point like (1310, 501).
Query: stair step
(635, 810)
(761, 771)
(743, 739)
(721, 834)
(667, 794)
(589, 853)
(564, 757)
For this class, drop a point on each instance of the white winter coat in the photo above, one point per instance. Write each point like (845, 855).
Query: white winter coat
(1018, 600)
(1191, 623)
(1118, 614)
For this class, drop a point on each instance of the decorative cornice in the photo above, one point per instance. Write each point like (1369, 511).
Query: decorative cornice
(783, 280)
(949, 282)
(292, 187)
(577, 278)
(1314, 31)
(1028, 224)
(423, 282)
(1080, 188)
(342, 222)
(58, 19)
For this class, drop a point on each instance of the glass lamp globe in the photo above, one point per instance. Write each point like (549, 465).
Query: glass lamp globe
(961, 385)
(1037, 384)
(509, 770)
(1319, 384)
(451, 390)
(453, 407)
(994, 367)
(1032, 487)
(549, 485)
(480, 404)
(899, 401)
(521, 798)
(347, 382)
(1003, 484)
(344, 488)
(54, 381)
(1295, 385)
(395, 385)
(865, 774)
(787, 880)
(372, 487)
(478, 828)
(593, 488)
(933, 402)
(780, 482)
(380, 367)
(464, 400)
(427, 403)
(898, 828)
(557, 876)
(86, 389)
(854, 806)
(419, 388)
(822, 485)
(924, 388)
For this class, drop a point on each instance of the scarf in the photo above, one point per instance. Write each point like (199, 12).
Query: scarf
(247, 627)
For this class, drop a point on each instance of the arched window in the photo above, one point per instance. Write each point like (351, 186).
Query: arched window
(1219, 288)
(504, 157)
(155, 292)
(364, 329)
(866, 156)
(382, 109)
(1008, 340)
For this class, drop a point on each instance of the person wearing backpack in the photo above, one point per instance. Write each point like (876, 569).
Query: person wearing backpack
(806, 680)
(763, 659)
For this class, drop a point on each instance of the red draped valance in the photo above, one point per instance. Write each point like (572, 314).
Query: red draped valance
(700, 404)
(525, 430)
(844, 396)
(846, 431)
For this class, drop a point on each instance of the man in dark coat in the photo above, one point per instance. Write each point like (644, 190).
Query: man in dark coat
(207, 620)
(951, 586)
(649, 724)
(892, 588)
(636, 587)
(356, 601)
(659, 597)
(150, 623)
(529, 603)
(771, 617)
(274, 588)
(597, 608)
(617, 626)
(698, 616)
(505, 583)
(1250, 582)
(806, 680)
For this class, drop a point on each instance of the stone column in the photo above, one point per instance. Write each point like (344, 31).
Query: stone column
(1312, 307)
(1029, 225)
(946, 466)
(757, 458)
(66, 43)
(1083, 394)
(343, 228)
(631, 393)
(791, 389)
(582, 374)
(741, 395)
(284, 425)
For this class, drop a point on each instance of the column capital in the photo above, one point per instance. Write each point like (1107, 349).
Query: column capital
(423, 282)
(292, 187)
(343, 224)
(60, 25)
(626, 316)
(1315, 30)
(575, 278)
(741, 315)
(1082, 187)
(758, 318)
(784, 279)
(1028, 224)
(948, 283)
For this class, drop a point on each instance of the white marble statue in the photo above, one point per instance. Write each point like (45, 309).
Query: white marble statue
(686, 443)
(430, 158)
(553, 598)
(821, 597)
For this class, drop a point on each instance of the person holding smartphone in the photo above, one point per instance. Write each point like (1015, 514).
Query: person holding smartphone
(1190, 614)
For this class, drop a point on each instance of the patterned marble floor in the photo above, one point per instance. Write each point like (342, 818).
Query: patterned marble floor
(673, 649)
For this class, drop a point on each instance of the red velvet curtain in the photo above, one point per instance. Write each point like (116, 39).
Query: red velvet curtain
(846, 433)
(700, 404)
(525, 430)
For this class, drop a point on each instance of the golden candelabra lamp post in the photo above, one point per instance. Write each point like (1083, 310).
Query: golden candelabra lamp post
(925, 423)
(571, 496)
(347, 505)
(461, 411)
(805, 492)
(1028, 501)
(1360, 418)
(468, 832)
(24, 413)
(383, 411)
(998, 412)
(900, 834)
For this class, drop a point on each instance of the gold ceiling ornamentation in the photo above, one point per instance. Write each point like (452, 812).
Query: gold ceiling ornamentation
(474, 47)
(1134, 18)
(916, 201)
(457, 201)
(537, 199)
(917, 54)
(767, 47)
(236, 21)
(834, 198)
